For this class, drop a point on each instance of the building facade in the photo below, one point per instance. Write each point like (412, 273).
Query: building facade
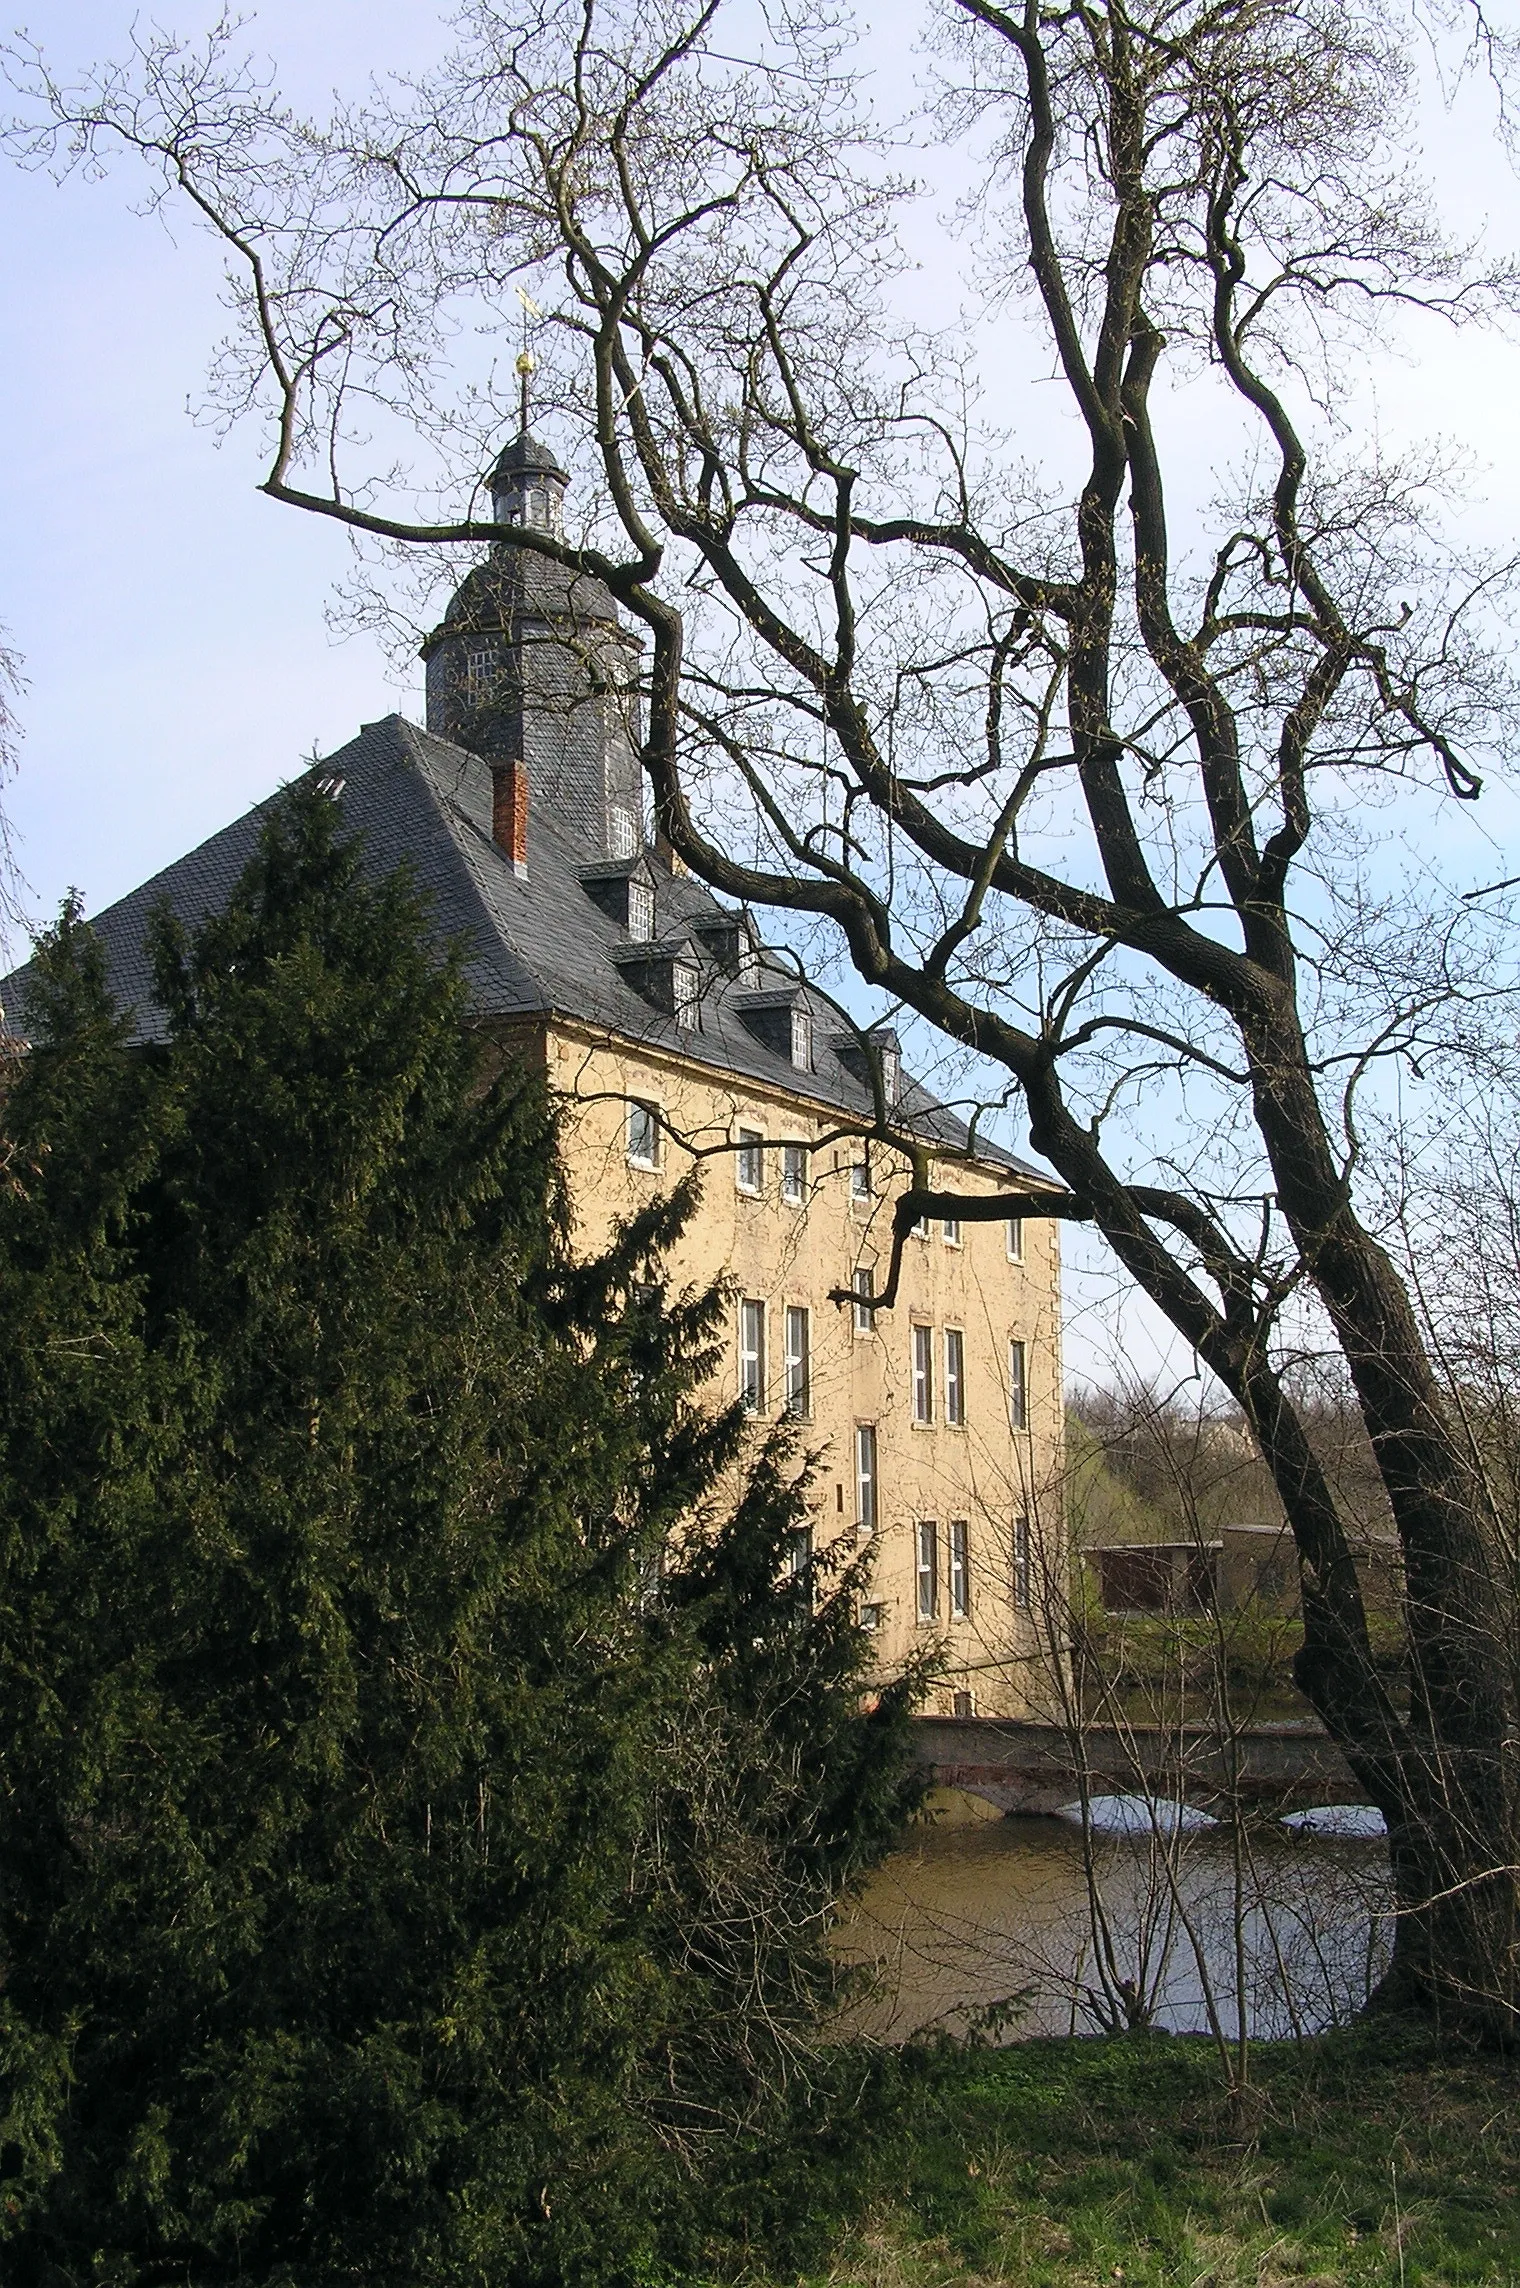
(671, 1037)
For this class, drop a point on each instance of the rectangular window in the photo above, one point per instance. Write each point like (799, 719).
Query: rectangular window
(684, 990)
(798, 1360)
(927, 1537)
(749, 1160)
(794, 1174)
(752, 1355)
(962, 1704)
(479, 671)
(865, 1476)
(1021, 1562)
(1015, 1239)
(865, 1288)
(955, 1376)
(921, 1228)
(643, 1134)
(860, 1179)
(640, 912)
(923, 1374)
(870, 1618)
(802, 1040)
(960, 1570)
(1018, 1387)
(799, 1557)
(952, 1231)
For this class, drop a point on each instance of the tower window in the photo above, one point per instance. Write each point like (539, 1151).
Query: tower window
(622, 831)
(480, 670)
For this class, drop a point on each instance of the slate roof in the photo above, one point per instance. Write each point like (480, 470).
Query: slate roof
(535, 946)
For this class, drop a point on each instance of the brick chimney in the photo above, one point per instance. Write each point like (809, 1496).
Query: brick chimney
(509, 812)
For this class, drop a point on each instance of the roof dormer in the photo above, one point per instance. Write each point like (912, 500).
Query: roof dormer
(862, 1053)
(731, 942)
(667, 974)
(784, 1022)
(625, 891)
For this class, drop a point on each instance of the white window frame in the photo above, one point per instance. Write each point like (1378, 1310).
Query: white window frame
(926, 1570)
(685, 992)
(1018, 1384)
(1013, 1238)
(640, 912)
(797, 1333)
(802, 1040)
(749, 1162)
(622, 832)
(864, 1284)
(1019, 1569)
(955, 1378)
(752, 1354)
(960, 1569)
(867, 1482)
(921, 1228)
(922, 1339)
(861, 1193)
(794, 1174)
(871, 1615)
(481, 668)
(640, 1105)
(954, 1236)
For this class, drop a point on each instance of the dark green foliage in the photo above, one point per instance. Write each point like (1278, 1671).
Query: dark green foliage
(391, 1889)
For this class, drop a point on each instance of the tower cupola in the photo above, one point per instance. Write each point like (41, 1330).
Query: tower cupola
(528, 486)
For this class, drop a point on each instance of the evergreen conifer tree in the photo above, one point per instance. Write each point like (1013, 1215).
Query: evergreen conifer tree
(392, 1886)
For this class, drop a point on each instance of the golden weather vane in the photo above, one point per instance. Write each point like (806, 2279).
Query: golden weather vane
(525, 358)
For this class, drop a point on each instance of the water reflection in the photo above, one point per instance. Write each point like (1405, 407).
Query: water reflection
(981, 1911)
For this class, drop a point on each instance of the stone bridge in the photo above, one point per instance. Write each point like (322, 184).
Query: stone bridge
(1032, 1767)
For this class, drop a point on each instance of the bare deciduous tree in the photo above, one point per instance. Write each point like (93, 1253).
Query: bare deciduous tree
(1078, 764)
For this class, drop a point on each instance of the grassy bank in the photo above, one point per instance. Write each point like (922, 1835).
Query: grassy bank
(1359, 2159)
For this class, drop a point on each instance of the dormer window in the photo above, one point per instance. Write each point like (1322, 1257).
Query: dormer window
(782, 1021)
(640, 911)
(729, 939)
(685, 981)
(802, 1040)
(666, 976)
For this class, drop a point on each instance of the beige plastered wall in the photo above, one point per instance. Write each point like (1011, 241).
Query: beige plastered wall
(983, 1473)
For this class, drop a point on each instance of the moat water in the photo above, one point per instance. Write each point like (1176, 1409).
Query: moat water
(992, 1920)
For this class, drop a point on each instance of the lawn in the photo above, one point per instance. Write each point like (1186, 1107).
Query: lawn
(1365, 2157)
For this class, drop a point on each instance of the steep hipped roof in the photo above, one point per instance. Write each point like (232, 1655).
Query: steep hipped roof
(537, 945)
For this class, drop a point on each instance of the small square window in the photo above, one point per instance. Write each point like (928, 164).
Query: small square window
(952, 1231)
(1015, 1239)
(794, 1174)
(749, 1161)
(643, 1134)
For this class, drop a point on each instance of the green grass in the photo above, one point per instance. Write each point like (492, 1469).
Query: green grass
(1363, 2158)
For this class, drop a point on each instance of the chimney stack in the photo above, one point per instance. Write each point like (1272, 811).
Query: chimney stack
(509, 812)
